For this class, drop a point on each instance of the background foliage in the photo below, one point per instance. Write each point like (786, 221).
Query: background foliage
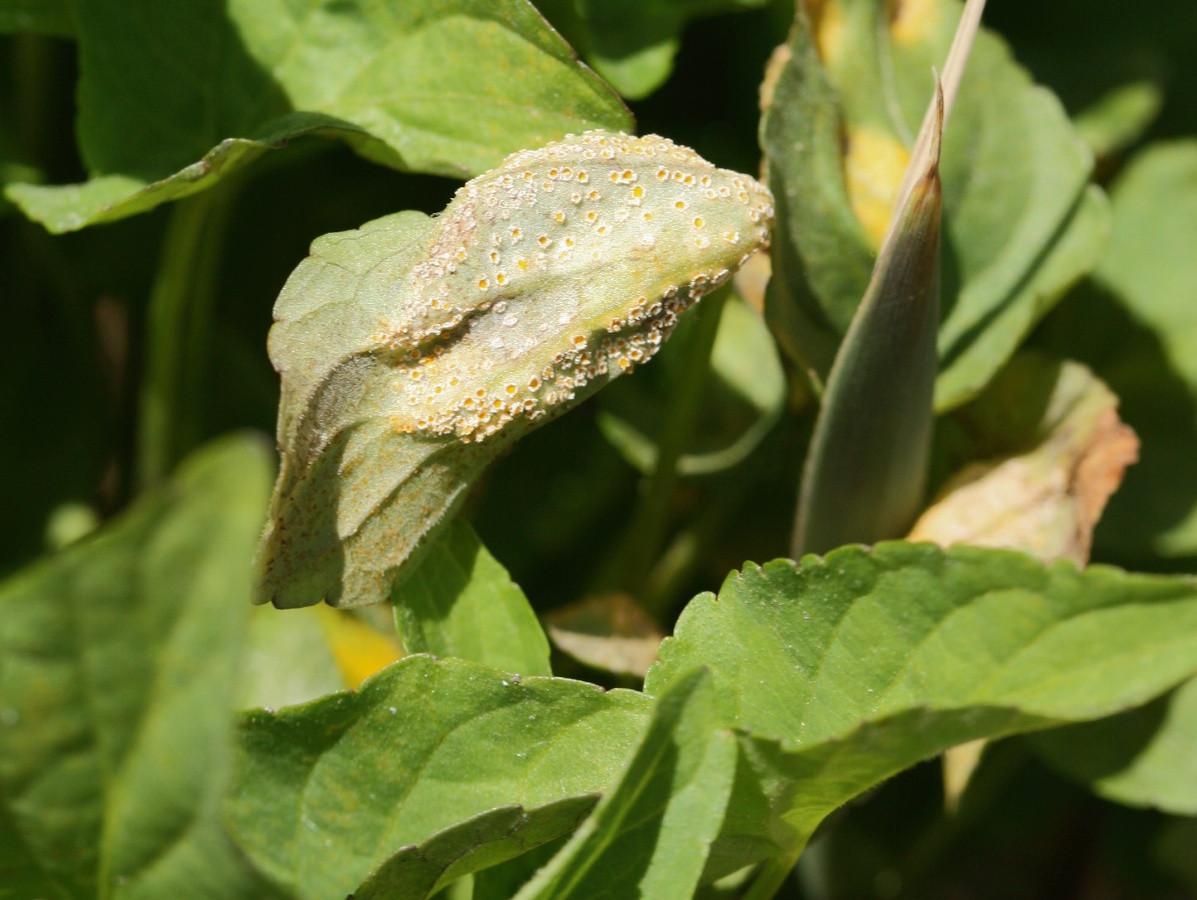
(136, 393)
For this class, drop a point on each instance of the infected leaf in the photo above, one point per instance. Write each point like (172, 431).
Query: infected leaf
(413, 350)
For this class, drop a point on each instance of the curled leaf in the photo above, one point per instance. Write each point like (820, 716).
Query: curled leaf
(413, 350)
(1046, 497)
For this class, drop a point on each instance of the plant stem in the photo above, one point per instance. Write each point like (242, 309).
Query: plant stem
(772, 876)
(645, 537)
(178, 330)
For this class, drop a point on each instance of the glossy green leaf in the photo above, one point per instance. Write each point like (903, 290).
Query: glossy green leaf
(1020, 223)
(174, 97)
(117, 687)
(330, 791)
(413, 350)
(461, 602)
(1143, 757)
(846, 670)
(52, 17)
(650, 834)
(631, 43)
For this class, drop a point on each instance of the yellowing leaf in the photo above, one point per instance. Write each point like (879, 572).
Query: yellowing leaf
(413, 350)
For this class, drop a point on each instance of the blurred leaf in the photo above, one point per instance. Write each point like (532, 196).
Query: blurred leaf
(845, 670)
(329, 791)
(1020, 223)
(607, 631)
(1175, 850)
(1046, 451)
(116, 694)
(288, 659)
(174, 97)
(393, 395)
(746, 396)
(1144, 757)
(631, 43)
(461, 602)
(51, 17)
(650, 834)
(1138, 331)
(1119, 118)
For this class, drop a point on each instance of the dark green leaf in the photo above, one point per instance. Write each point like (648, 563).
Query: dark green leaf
(1143, 757)
(116, 694)
(650, 834)
(329, 791)
(51, 17)
(631, 43)
(175, 96)
(461, 602)
(847, 670)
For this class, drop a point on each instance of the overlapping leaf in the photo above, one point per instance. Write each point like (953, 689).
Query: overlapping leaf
(846, 670)
(1021, 225)
(1138, 330)
(461, 602)
(650, 835)
(330, 791)
(174, 97)
(117, 689)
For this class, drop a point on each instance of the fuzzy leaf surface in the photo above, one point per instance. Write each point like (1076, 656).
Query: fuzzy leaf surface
(413, 350)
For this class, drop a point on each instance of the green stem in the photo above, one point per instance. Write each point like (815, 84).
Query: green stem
(645, 537)
(772, 876)
(178, 329)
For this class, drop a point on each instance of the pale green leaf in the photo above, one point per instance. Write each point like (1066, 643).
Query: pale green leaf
(175, 96)
(413, 350)
(650, 834)
(1119, 118)
(846, 670)
(329, 791)
(116, 694)
(461, 602)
